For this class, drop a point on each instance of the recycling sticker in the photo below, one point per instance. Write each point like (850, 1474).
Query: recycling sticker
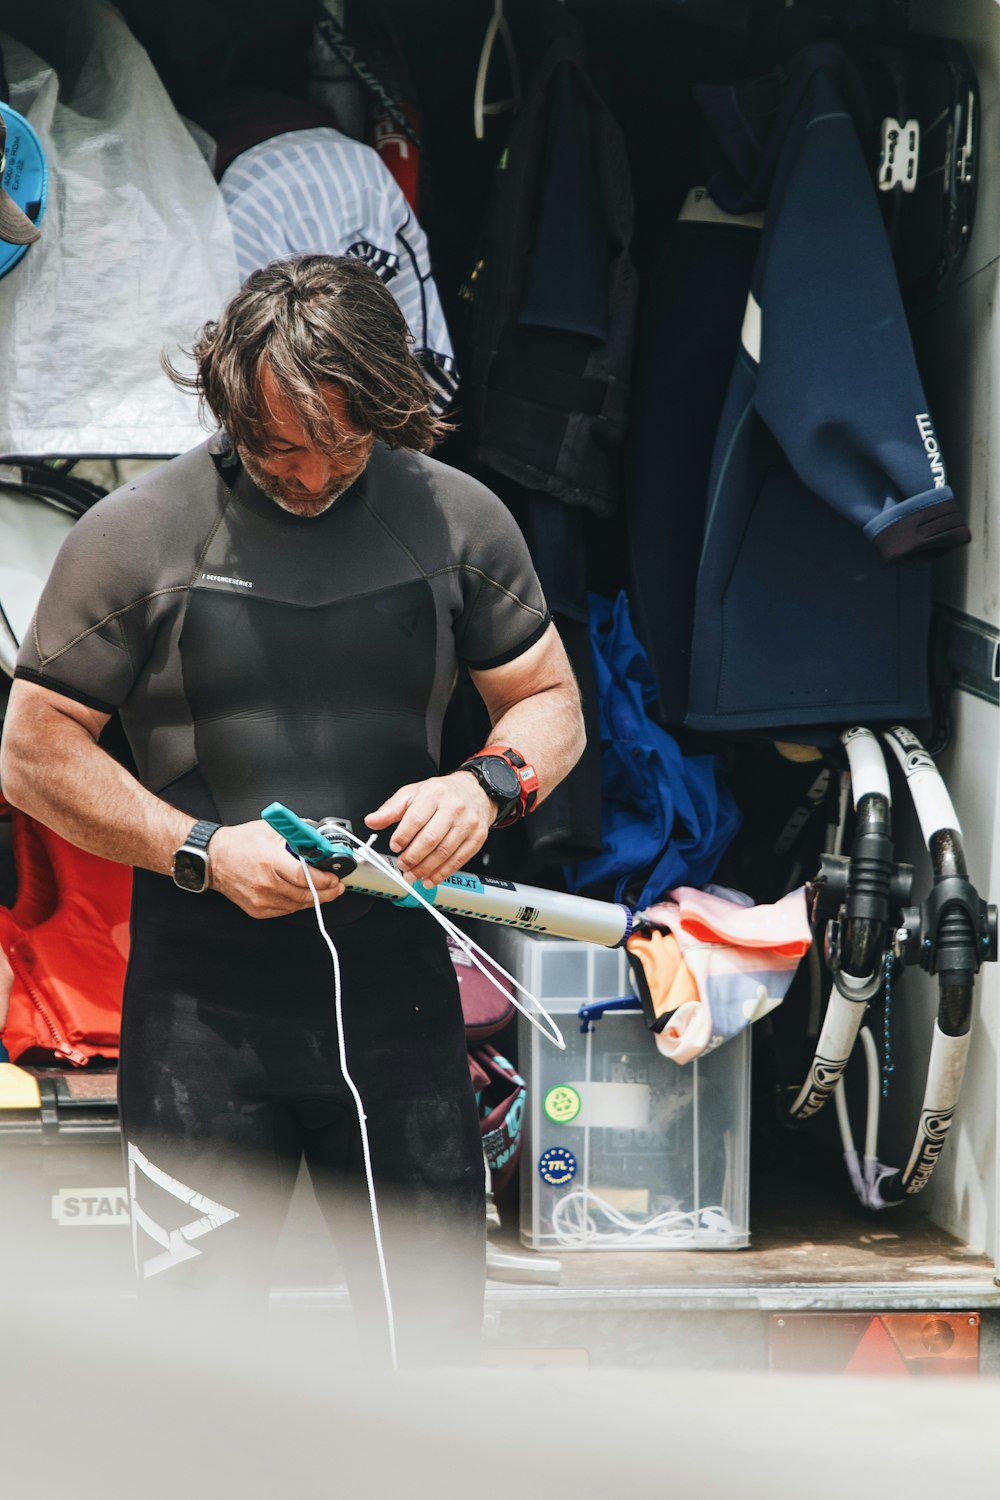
(562, 1104)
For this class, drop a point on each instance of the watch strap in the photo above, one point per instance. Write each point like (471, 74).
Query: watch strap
(527, 778)
(201, 833)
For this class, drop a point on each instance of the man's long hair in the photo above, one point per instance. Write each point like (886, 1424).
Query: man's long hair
(314, 321)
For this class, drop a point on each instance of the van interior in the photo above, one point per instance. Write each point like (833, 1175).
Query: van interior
(812, 1246)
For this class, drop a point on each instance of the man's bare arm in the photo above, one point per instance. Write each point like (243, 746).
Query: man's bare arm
(534, 706)
(52, 767)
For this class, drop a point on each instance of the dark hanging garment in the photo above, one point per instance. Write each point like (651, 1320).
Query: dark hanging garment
(918, 113)
(553, 295)
(689, 331)
(828, 491)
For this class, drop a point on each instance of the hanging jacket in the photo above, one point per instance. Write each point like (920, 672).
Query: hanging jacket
(827, 489)
(552, 297)
(690, 313)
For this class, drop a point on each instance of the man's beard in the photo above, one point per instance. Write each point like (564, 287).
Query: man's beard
(299, 502)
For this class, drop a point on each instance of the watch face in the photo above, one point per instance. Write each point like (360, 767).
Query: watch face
(501, 777)
(190, 869)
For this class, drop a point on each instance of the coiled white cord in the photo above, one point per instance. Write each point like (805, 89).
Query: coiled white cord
(575, 1223)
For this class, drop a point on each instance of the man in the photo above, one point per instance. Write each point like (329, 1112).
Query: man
(280, 614)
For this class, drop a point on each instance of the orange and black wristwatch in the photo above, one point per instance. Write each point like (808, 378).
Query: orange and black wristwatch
(506, 777)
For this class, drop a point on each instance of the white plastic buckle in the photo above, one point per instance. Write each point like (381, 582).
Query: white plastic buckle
(900, 159)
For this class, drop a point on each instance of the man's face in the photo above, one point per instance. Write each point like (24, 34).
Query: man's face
(294, 473)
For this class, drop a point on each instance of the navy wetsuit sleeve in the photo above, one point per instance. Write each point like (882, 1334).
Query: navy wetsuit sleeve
(503, 611)
(86, 639)
(837, 382)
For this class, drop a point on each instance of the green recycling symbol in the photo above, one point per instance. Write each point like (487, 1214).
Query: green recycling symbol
(562, 1104)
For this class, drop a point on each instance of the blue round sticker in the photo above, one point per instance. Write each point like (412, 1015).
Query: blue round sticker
(25, 179)
(557, 1166)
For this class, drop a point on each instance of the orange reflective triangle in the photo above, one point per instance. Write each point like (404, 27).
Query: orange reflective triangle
(876, 1354)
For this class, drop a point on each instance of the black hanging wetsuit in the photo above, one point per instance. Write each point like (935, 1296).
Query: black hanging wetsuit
(256, 655)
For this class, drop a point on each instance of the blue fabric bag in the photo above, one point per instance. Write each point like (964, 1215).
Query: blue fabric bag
(666, 818)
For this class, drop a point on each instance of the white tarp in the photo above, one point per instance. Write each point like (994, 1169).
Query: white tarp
(135, 255)
(33, 530)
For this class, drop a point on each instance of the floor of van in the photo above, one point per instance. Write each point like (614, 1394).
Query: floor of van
(835, 1249)
(811, 1244)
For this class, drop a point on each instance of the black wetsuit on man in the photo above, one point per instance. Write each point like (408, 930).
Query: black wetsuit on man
(255, 655)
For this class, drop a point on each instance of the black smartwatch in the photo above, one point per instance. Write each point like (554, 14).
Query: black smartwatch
(190, 866)
(498, 780)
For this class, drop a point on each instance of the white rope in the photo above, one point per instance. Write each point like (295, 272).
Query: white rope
(471, 949)
(866, 1173)
(359, 1106)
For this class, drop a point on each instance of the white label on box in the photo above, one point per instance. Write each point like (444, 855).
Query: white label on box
(619, 1106)
(92, 1207)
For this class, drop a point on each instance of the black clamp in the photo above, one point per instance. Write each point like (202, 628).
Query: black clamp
(854, 900)
(832, 895)
(826, 893)
(953, 930)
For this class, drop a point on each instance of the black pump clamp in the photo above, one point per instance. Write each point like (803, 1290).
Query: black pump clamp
(954, 923)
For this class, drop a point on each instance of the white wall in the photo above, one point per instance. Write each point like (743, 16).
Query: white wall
(958, 344)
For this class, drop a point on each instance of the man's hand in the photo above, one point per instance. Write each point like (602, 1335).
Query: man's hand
(442, 822)
(248, 862)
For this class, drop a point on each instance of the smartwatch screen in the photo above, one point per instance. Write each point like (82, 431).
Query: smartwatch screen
(190, 869)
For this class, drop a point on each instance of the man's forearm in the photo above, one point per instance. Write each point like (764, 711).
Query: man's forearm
(534, 706)
(547, 729)
(53, 769)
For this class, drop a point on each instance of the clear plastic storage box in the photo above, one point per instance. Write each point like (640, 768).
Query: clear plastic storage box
(623, 1147)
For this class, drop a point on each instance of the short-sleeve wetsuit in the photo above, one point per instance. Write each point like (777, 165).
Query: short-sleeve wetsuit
(255, 655)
